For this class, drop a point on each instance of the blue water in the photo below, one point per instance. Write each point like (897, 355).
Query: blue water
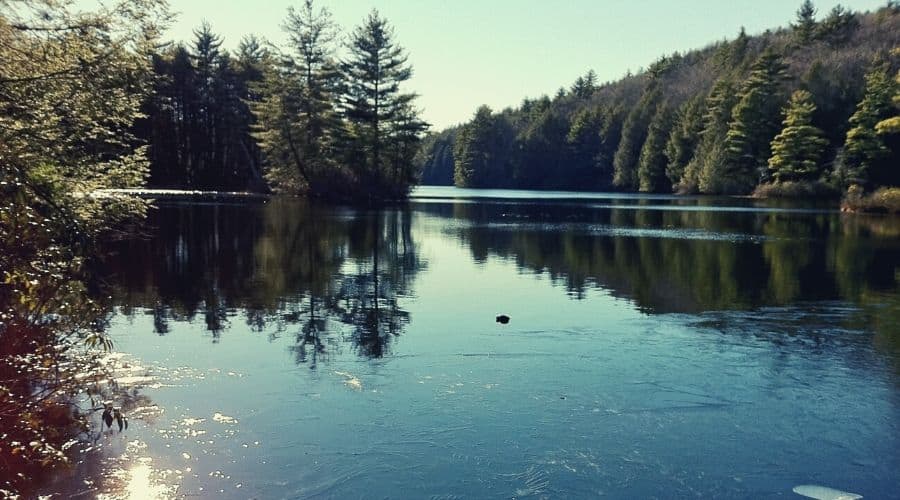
(302, 352)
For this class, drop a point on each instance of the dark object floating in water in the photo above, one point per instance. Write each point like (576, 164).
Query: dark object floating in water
(107, 416)
(120, 419)
(111, 414)
(503, 319)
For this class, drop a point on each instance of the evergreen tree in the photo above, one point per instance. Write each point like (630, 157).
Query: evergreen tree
(610, 136)
(377, 111)
(805, 26)
(584, 85)
(704, 172)
(312, 66)
(634, 132)
(541, 150)
(683, 139)
(892, 125)
(652, 161)
(754, 124)
(864, 154)
(838, 26)
(584, 144)
(250, 69)
(208, 67)
(474, 154)
(797, 150)
(299, 122)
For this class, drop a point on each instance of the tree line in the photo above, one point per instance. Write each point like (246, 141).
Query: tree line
(298, 118)
(808, 109)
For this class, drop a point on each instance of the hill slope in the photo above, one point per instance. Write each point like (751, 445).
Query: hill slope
(703, 121)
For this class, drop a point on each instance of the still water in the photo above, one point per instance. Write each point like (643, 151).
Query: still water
(659, 347)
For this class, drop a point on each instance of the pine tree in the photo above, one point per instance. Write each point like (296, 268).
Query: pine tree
(610, 135)
(755, 121)
(584, 85)
(250, 69)
(892, 125)
(634, 132)
(683, 139)
(312, 65)
(583, 141)
(474, 150)
(805, 27)
(208, 64)
(864, 151)
(299, 126)
(376, 109)
(652, 162)
(797, 150)
(838, 26)
(704, 172)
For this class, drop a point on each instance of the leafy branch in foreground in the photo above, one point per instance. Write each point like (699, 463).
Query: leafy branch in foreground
(71, 87)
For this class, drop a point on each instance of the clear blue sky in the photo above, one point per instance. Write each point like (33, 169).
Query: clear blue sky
(496, 52)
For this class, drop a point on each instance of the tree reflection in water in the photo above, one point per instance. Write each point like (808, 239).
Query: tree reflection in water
(325, 275)
(335, 277)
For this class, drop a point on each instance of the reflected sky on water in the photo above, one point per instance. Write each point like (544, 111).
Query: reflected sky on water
(653, 351)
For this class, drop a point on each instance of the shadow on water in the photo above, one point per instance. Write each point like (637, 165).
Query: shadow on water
(320, 274)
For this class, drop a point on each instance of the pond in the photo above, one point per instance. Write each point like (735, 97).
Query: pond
(658, 347)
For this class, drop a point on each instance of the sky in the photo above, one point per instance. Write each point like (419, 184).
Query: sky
(466, 53)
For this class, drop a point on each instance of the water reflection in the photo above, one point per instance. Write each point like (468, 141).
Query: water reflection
(688, 261)
(754, 347)
(333, 276)
(319, 274)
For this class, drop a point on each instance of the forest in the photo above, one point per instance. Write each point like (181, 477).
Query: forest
(807, 110)
(98, 100)
(297, 119)
(91, 101)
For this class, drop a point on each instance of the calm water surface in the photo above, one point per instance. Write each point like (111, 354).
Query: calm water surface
(659, 347)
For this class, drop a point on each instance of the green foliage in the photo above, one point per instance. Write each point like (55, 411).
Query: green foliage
(837, 28)
(805, 26)
(383, 125)
(299, 127)
(727, 101)
(198, 121)
(891, 125)
(865, 159)
(71, 88)
(753, 125)
(798, 148)
(339, 129)
(542, 148)
(585, 143)
(652, 161)
(634, 133)
(584, 86)
(705, 170)
(53, 66)
(683, 139)
(474, 149)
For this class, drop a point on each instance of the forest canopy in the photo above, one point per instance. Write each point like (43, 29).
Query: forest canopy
(814, 104)
(315, 116)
